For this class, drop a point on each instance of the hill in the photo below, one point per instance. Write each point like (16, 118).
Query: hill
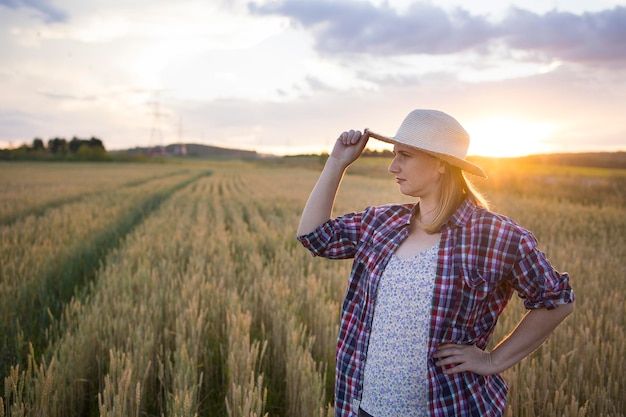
(192, 150)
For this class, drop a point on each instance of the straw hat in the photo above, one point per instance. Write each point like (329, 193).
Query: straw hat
(436, 133)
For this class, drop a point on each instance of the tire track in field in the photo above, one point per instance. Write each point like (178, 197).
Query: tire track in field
(39, 306)
(41, 210)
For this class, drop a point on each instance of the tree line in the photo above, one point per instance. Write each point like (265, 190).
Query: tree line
(91, 149)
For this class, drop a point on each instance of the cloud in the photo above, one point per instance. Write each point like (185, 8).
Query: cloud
(361, 27)
(590, 37)
(49, 13)
(63, 97)
(364, 28)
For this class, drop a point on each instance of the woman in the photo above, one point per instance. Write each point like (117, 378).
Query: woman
(429, 280)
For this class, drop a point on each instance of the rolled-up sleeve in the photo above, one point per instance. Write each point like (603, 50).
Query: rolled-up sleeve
(336, 238)
(537, 281)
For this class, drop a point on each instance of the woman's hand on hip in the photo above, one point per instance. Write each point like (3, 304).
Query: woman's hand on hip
(456, 358)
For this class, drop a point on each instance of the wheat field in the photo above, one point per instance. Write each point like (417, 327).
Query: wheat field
(178, 289)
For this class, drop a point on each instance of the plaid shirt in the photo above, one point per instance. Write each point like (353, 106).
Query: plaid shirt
(483, 258)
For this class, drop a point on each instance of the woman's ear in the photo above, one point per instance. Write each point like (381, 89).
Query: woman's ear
(442, 166)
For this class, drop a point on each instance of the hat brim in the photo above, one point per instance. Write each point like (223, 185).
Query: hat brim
(460, 163)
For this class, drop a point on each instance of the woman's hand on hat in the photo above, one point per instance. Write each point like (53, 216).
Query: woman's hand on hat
(349, 146)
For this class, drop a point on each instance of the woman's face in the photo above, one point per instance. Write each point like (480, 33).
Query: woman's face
(417, 173)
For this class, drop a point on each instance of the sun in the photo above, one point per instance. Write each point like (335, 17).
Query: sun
(509, 137)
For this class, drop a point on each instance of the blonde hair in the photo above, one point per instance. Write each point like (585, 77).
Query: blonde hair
(455, 187)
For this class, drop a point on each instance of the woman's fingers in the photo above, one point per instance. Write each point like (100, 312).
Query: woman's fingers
(349, 146)
(350, 137)
(461, 358)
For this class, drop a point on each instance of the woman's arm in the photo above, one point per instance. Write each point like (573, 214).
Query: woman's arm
(319, 206)
(530, 333)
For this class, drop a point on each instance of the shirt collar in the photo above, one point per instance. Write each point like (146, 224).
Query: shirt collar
(411, 215)
(458, 219)
(462, 215)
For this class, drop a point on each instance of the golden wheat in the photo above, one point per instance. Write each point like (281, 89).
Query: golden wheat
(209, 307)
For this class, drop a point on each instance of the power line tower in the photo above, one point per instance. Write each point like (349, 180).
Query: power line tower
(181, 147)
(155, 143)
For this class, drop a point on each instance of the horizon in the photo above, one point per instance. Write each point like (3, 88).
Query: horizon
(382, 147)
(287, 77)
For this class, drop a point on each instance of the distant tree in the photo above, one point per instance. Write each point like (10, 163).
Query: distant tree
(95, 143)
(92, 153)
(74, 144)
(38, 145)
(57, 146)
(91, 149)
(92, 143)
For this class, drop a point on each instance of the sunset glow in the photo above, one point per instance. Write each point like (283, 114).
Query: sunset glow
(508, 137)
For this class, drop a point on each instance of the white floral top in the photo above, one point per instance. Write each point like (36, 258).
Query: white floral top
(396, 378)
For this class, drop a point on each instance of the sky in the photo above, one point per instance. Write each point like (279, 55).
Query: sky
(288, 76)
